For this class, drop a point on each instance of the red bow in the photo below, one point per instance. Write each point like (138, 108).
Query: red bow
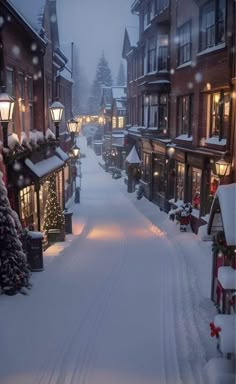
(214, 330)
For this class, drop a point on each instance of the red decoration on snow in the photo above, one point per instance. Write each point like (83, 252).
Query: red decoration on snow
(214, 330)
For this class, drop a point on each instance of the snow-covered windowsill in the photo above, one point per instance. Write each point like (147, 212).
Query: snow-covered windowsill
(187, 64)
(211, 49)
(215, 140)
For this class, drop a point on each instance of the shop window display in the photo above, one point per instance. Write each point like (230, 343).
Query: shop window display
(196, 187)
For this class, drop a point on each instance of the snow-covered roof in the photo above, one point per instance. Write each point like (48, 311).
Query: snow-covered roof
(227, 339)
(133, 34)
(120, 105)
(133, 157)
(42, 168)
(30, 10)
(227, 277)
(66, 74)
(63, 155)
(118, 135)
(118, 92)
(226, 195)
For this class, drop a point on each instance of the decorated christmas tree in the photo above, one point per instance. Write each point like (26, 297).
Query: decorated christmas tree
(14, 271)
(53, 216)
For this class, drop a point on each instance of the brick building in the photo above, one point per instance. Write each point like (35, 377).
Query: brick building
(31, 72)
(181, 98)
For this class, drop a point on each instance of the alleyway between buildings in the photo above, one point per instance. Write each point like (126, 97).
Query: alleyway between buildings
(125, 300)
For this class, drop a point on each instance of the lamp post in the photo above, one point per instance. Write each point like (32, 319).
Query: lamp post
(6, 111)
(75, 155)
(222, 168)
(72, 126)
(56, 110)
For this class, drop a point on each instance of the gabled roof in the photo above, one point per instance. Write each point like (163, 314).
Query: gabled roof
(106, 96)
(225, 200)
(131, 38)
(118, 92)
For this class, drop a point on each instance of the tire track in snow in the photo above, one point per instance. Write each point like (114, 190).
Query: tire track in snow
(101, 310)
(90, 324)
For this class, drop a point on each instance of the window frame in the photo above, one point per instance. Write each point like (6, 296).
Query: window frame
(21, 79)
(30, 89)
(219, 119)
(214, 34)
(185, 107)
(185, 43)
(152, 55)
(162, 53)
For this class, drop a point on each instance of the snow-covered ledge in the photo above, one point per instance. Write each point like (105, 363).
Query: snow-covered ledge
(227, 333)
(227, 277)
(215, 141)
(184, 138)
(220, 371)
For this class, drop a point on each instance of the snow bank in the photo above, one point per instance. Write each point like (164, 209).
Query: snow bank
(227, 277)
(227, 334)
(13, 140)
(220, 371)
(203, 235)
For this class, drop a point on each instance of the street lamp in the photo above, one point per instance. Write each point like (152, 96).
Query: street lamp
(6, 111)
(56, 110)
(76, 151)
(222, 168)
(72, 126)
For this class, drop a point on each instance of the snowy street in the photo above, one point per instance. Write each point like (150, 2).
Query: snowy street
(125, 300)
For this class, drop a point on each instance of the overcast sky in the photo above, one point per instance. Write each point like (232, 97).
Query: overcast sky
(96, 26)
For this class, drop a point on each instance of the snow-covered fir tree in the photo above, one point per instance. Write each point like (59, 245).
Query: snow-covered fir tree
(103, 78)
(14, 270)
(53, 215)
(121, 78)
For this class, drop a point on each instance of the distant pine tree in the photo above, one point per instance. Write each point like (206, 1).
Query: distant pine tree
(121, 78)
(103, 78)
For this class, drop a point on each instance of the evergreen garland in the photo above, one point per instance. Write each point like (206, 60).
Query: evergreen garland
(53, 215)
(219, 245)
(14, 270)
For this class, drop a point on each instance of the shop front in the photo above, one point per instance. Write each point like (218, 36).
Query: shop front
(28, 188)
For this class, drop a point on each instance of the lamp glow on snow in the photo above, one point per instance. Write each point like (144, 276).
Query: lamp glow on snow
(56, 110)
(6, 112)
(222, 168)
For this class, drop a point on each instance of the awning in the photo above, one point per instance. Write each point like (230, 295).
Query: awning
(63, 155)
(44, 167)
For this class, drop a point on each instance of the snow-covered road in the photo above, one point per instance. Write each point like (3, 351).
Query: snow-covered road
(125, 302)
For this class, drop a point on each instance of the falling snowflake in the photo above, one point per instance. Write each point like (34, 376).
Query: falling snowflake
(198, 77)
(17, 166)
(190, 85)
(35, 60)
(33, 47)
(53, 18)
(172, 71)
(16, 51)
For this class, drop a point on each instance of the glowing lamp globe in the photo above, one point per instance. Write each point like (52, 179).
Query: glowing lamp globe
(6, 107)
(56, 110)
